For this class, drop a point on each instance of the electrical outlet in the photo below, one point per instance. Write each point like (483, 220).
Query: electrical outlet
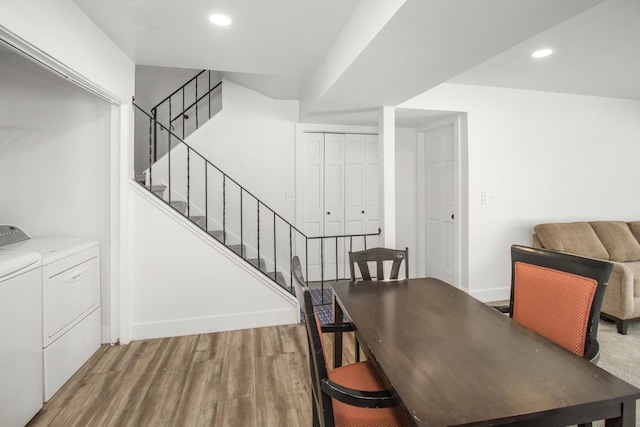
(291, 197)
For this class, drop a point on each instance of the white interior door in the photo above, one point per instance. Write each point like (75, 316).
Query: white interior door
(334, 203)
(313, 201)
(440, 230)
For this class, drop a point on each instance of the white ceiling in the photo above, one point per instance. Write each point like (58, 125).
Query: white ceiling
(277, 46)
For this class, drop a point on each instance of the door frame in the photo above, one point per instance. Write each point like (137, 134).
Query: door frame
(460, 196)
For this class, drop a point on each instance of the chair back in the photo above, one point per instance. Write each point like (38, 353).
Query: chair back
(379, 256)
(559, 295)
(321, 402)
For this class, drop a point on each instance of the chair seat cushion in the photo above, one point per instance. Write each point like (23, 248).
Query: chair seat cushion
(362, 376)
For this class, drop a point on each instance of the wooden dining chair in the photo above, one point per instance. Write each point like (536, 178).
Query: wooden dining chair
(379, 256)
(559, 295)
(351, 395)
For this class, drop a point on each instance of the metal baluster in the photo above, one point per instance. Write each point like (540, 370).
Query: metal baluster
(322, 265)
(275, 264)
(155, 138)
(306, 255)
(291, 256)
(169, 161)
(336, 260)
(209, 93)
(258, 204)
(241, 218)
(206, 196)
(196, 103)
(188, 181)
(183, 113)
(224, 210)
(150, 155)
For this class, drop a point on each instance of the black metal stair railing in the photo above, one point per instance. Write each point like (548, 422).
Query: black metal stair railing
(202, 192)
(186, 108)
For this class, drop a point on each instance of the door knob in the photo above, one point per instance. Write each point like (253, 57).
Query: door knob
(328, 213)
(452, 216)
(362, 211)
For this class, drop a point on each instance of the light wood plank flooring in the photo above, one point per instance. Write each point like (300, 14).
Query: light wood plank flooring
(254, 377)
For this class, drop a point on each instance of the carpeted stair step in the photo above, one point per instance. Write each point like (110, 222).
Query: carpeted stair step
(158, 190)
(239, 249)
(217, 234)
(258, 263)
(198, 220)
(279, 279)
(180, 206)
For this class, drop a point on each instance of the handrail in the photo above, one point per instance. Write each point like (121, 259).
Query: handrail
(185, 108)
(153, 126)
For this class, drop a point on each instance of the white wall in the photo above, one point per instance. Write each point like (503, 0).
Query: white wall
(406, 195)
(59, 29)
(541, 157)
(187, 284)
(60, 35)
(54, 182)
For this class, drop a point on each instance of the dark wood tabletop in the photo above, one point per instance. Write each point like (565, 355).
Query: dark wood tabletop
(452, 360)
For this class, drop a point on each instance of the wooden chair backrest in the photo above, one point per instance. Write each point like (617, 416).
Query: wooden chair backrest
(379, 256)
(317, 362)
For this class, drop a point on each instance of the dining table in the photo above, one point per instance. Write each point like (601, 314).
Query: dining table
(451, 360)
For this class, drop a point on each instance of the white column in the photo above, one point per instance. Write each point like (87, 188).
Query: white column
(387, 154)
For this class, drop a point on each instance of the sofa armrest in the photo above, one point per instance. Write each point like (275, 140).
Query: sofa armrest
(618, 296)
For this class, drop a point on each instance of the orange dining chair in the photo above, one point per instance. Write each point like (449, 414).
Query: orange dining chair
(379, 256)
(351, 395)
(558, 295)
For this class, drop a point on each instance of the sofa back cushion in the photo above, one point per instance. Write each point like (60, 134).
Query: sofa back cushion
(617, 239)
(635, 229)
(573, 237)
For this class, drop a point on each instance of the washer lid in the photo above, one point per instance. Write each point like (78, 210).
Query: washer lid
(11, 263)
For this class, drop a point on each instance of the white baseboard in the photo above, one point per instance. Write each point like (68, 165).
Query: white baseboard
(490, 295)
(204, 325)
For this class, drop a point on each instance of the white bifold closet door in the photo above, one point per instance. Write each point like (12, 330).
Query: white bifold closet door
(341, 197)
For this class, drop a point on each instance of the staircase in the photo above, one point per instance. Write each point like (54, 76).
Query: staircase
(217, 204)
(219, 235)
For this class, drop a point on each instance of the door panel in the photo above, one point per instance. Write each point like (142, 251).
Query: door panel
(440, 204)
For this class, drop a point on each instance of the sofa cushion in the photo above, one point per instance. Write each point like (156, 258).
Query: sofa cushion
(635, 229)
(617, 239)
(635, 266)
(574, 237)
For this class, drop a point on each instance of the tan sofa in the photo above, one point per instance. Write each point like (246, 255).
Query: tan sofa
(615, 241)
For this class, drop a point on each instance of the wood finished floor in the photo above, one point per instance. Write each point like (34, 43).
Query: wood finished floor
(254, 377)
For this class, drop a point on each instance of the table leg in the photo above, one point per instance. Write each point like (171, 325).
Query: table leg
(627, 416)
(338, 317)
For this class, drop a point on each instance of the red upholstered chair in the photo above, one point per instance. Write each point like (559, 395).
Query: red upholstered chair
(379, 255)
(351, 395)
(558, 295)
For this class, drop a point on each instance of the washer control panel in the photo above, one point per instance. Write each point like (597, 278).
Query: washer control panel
(11, 234)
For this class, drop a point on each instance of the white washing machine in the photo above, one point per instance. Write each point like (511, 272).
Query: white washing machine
(70, 295)
(21, 377)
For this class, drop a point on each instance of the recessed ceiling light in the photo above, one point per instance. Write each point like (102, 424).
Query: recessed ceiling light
(541, 53)
(222, 20)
